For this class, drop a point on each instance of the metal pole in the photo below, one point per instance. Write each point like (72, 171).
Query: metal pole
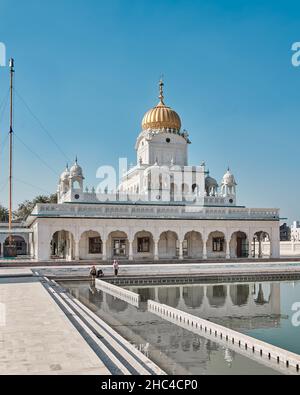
(12, 70)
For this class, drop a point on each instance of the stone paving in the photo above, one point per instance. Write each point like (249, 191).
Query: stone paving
(23, 271)
(36, 337)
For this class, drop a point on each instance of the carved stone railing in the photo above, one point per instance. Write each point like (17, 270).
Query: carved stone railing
(256, 349)
(153, 211)
(118, 292)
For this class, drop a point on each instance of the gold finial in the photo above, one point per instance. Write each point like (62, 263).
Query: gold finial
(161, 91)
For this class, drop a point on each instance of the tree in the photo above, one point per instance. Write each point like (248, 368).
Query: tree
(3, 214)
(25, 208)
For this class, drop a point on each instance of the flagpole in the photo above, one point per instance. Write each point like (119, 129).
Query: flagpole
(12, 70)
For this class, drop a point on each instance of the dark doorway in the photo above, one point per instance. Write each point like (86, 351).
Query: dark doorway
(242, 249)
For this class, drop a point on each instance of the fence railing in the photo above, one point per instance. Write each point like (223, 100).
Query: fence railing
(255, 348)
(118, 292)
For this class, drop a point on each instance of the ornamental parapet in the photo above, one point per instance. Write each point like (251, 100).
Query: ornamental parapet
(148, 211)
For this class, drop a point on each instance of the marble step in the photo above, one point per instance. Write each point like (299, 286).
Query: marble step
(122, 357)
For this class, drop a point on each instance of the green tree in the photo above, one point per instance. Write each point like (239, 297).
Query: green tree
(3, 214)
(25, 208)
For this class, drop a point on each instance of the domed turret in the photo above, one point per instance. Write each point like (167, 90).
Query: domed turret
(228, 188)
(229, 179)
(161, 116)
(65, 174)
(76, 170)
(76, 176)
(211, 186)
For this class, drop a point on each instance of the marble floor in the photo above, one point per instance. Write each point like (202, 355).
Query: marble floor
(36, 337)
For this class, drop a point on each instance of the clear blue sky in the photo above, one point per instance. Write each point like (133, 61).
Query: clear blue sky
(89, 70)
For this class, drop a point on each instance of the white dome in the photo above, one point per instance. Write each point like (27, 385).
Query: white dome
(210, 182)
(76, 170)
(65, 175)
(229, 179)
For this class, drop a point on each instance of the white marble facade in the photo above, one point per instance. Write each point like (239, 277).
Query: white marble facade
(163, 208)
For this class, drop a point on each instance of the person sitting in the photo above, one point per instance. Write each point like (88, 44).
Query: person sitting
(100, 273)
(93, 272)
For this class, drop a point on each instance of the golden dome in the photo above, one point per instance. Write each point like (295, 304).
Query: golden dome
(161, 116)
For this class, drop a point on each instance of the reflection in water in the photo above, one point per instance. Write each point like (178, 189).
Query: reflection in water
(243, 307)
(145, 293)
(217, 295)
(239, 294)
(193, 296)
(169, 296)
(95, 297)
(115, 304)
(260, 300)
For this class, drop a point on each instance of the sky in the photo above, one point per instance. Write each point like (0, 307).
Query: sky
(88, 70)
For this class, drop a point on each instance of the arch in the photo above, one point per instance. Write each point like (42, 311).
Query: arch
(239, 294)
(195, 189)
(193, 296)
(193, 245)
(216, 244)
(76, 184)
(169, 296)
(62, 245)
(90, 245)
(18, 241)
(216, 295)
(143, 245)
(261, 245)
(239, 245)
(118, 244)
(168, 245)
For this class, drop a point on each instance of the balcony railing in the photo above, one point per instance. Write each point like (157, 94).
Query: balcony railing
(152, 211)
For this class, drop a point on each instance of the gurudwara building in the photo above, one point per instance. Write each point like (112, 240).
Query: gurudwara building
(163, 209)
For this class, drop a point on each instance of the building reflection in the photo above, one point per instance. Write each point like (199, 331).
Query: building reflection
(178, 351)
(248, 302)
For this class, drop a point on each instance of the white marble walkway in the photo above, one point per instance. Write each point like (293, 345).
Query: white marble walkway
(36, 337)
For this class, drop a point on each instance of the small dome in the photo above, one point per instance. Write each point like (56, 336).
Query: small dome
(229, 179)
(210, 182)
(65, 175)
(161, 116)
(76, 170)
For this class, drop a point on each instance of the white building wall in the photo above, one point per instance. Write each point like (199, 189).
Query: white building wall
(44, 228)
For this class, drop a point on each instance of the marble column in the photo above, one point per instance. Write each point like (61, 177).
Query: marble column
(156, 256)
(181, 250)
(130, 250)
(77, 254)
(205, 249)
(104, 250)
(227, 249)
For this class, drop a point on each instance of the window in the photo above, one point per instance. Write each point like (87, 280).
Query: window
(119, 247)
(218, 244)
(143, 244)
(95, 245)
(185, 248)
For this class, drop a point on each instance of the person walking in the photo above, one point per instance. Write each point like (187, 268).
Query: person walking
(116, 267)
